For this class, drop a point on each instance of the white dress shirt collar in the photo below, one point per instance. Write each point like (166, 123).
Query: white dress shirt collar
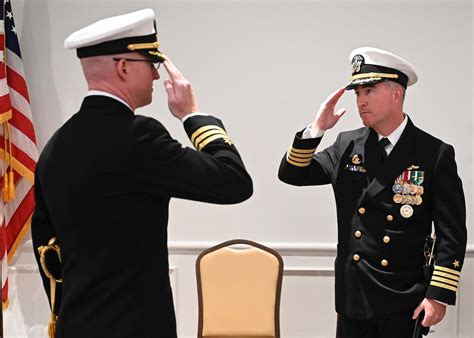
(395, 135)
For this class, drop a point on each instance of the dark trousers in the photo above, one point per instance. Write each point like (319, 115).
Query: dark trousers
(394, 325)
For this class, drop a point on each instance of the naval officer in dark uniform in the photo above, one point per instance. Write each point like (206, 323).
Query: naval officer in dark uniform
(392, 182)
(105, 179)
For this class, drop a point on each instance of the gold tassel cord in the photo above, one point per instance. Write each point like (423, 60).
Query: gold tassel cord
(11, 180)
(5, 190)
(52, 328)
(11, 185)
(6, 184)
(52, 320)
(52, 245)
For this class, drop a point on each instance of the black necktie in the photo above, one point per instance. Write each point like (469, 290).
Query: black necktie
(382, 144)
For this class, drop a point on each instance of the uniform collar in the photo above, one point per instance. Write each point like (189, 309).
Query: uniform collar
(397, 133)
(102, 93)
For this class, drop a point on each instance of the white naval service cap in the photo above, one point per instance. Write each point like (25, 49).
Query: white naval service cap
(371, 65)
(127, 33)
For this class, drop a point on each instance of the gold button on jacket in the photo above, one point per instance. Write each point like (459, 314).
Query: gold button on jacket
(386, 239)
(384, 262)
(361, 211)
(356, 257)
(357, 233)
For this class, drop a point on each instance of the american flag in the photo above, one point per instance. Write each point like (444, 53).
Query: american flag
(18, 152)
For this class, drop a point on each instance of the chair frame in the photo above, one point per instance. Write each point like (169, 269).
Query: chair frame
(249, 243)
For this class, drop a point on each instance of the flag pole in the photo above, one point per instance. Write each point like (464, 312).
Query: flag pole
(1, 312)
(1, 237)
(1, 271)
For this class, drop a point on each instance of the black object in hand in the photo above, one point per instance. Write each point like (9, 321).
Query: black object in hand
(420, 330)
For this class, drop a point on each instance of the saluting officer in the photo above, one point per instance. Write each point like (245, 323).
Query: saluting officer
(391, 182)
(105, 179)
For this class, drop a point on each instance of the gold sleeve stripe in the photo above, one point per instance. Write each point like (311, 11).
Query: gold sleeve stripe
(296, 155)
(444, 286)
(299, 160)
(444, 274)
(209, 140)
(206, 134)
(307, 158)
(303, 151)
(442, 268)
(204, 129)
(297, 163)
(445, 280)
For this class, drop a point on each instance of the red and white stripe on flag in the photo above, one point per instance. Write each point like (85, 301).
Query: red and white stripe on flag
(18, 152)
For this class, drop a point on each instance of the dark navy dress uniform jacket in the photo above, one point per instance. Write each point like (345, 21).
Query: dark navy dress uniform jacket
(380, 257)
(103, 186)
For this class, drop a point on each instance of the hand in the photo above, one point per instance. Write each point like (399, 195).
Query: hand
(326, 118)
(434, 312)
(181, 100)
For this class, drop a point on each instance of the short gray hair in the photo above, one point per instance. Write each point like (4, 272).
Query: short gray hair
(394, 85)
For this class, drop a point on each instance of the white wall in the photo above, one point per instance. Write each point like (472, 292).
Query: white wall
(263, 67)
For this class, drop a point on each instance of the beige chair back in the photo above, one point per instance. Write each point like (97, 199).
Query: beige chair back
(239, 290)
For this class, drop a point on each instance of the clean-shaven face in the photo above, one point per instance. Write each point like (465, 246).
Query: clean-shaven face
(144, 73)
(375, 103)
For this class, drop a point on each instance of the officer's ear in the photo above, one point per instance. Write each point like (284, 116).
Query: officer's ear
(121, 67)
(397, 94)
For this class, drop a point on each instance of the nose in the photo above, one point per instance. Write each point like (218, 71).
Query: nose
(361, 102)
(156, 75)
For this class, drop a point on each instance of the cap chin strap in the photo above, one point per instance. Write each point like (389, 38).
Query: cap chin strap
(138, 46)
(374, 75)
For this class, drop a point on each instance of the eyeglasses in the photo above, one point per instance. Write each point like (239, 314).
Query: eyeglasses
(155, 65)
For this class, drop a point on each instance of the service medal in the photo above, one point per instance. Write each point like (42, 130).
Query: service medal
(397, 198)
(408, 199)
(418, 200)
(406, 189)
(397, 188)
(404, 199)
(406, 211)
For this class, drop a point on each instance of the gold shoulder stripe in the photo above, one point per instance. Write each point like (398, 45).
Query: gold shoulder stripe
(444, 274)
(442, 268)
(444, 286)
(303, 151)
(206, 134)
(299, 160)
(210, 139)
(204, 129)
(445, 280)
(297, 163)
